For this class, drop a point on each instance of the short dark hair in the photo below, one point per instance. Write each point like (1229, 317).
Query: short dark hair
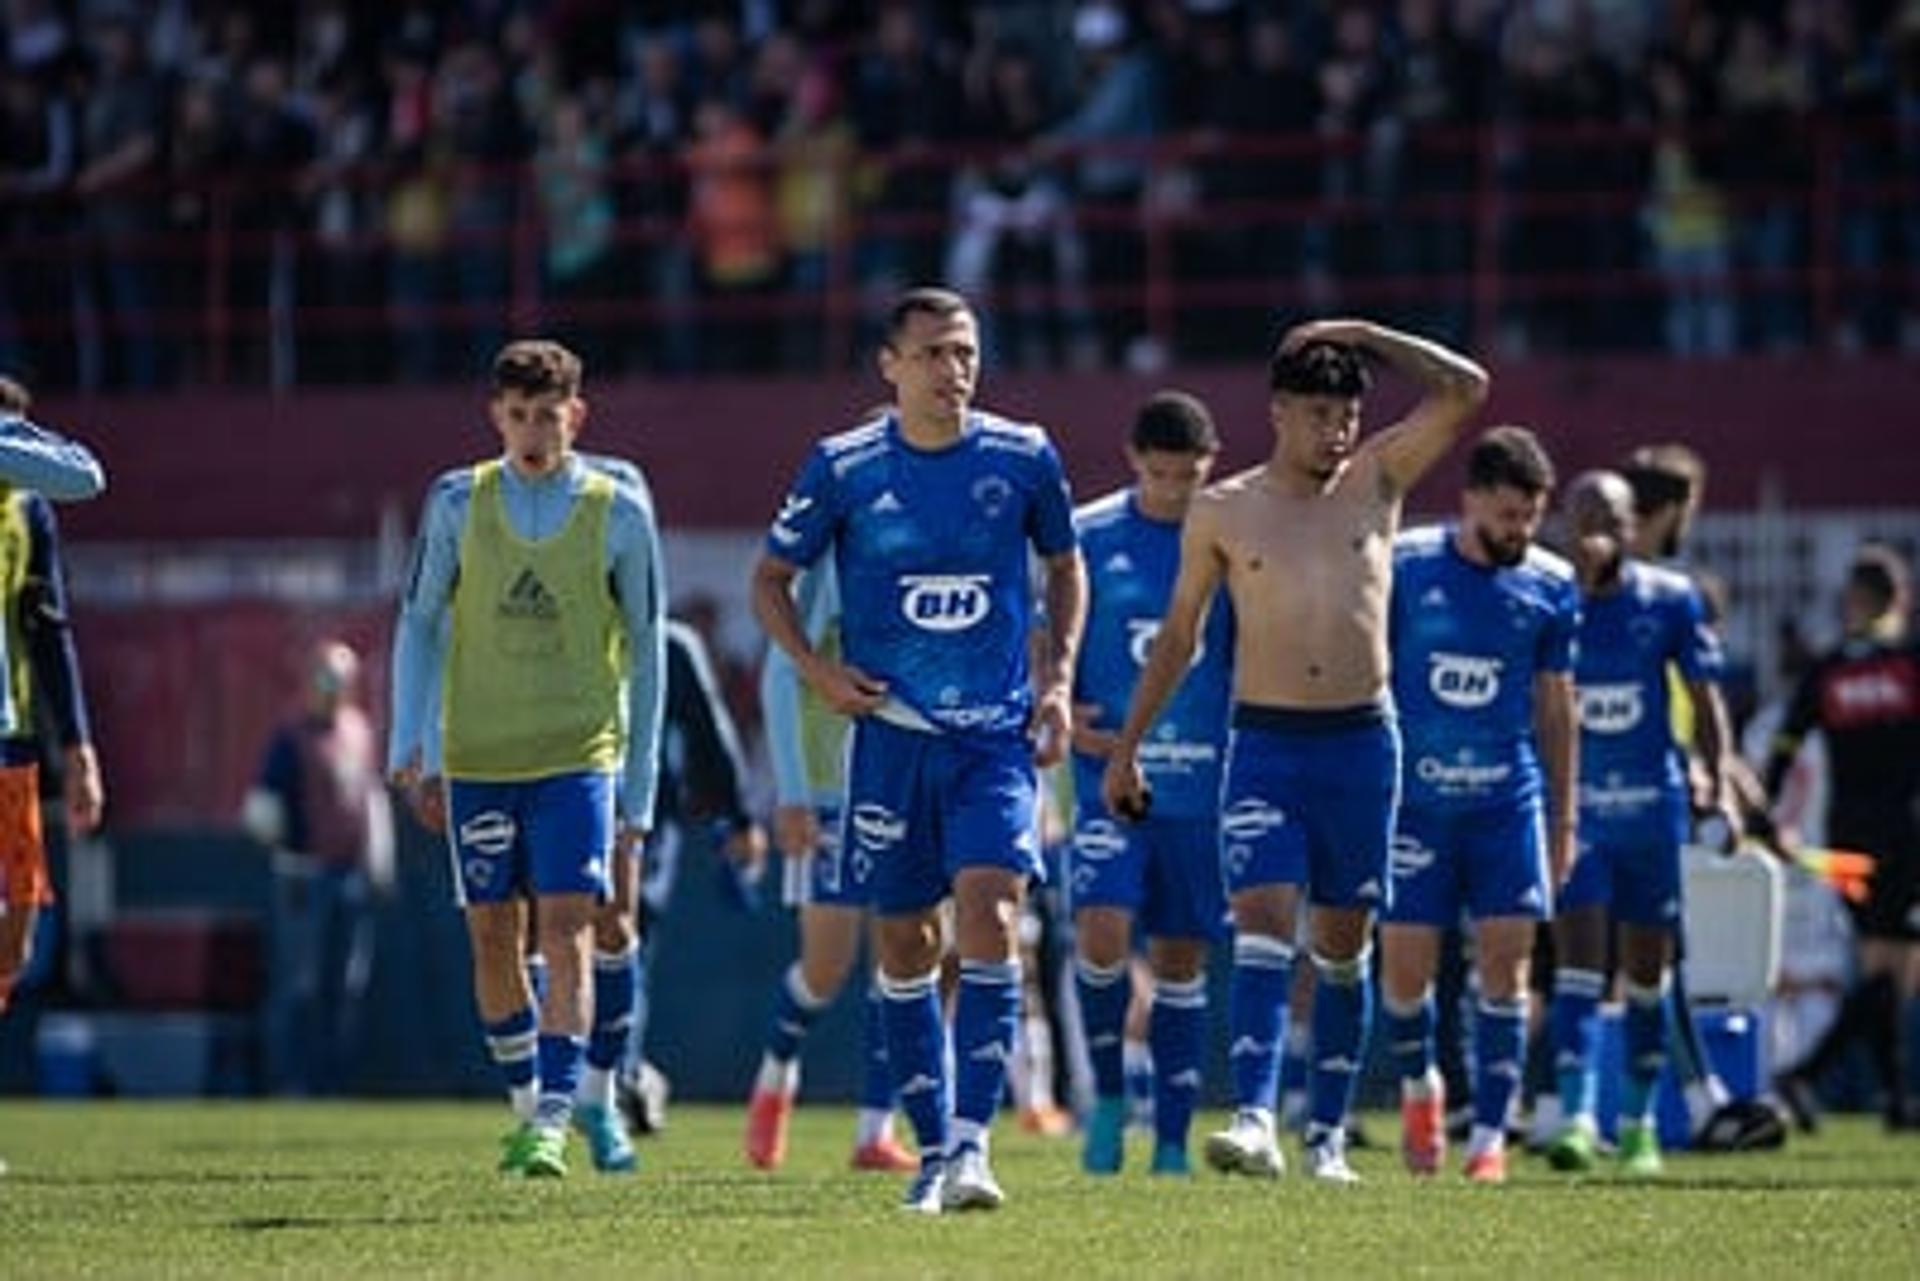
(14, 396)
(1664, 476)
(1319, 368)
(536, 367)
(1176, 422)
(1509, 457)
(1882, 573)
(931, 300)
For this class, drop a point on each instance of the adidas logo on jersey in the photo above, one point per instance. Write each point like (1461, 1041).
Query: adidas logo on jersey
(992, 1052)
(886, 504)
(920, 1084)
(1119, 563)
(1337, 1063)
(1434, 598)
(1248, 1045)
(1369, 889)
(528, 597)
(1186, 1080)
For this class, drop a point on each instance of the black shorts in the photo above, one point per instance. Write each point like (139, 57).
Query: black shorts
(1892, 906)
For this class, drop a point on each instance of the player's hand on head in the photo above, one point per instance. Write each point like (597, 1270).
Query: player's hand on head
(796, 831)
(1336, 330)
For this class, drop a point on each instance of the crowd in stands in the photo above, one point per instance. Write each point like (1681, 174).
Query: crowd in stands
(342, 190)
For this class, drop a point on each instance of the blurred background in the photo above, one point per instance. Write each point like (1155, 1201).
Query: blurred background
(259, 255)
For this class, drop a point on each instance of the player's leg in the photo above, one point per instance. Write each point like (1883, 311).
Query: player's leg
(1646, 952)
(1183, 910)
(485, 844)
(829, 944)
(1580, 961)
(1425, 900)
(1503, 951)
(569, 837)
(17, 921)
(616, 984)
(1106, 865)
(874, 1145)
(1136, 1053)
(1296, 1050)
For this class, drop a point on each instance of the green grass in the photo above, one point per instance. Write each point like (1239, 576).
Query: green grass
(224, 1190)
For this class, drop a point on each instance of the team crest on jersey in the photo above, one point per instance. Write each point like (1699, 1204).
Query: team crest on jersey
(1251, 818)
(1611, 709)
(1410, 857)
(490, 832)
(992, 494)
(1466, 681)
(1099, 839)
(945, 602)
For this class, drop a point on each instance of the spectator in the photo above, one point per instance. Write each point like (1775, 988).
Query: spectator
(736, 235)
(37, 148)
(1765, 164)
(1686, 220)
(320, 805)
(578, 213)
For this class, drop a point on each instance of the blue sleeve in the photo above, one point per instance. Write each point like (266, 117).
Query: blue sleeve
(1050, 521)
(780, 700)
(48, 463)
(1699, 656)
(809, 514)
(1559, 638)
(639, 581)
(47, 629)
(421, 635)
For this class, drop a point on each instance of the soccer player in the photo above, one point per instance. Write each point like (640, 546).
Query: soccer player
(1864, 698)
(528, 666)
(1483, 625)
(1634, 813)
(1304, 544)
(39, 659)
(1669, 484)
(929, 512)
(830, 884)
(1161, 867)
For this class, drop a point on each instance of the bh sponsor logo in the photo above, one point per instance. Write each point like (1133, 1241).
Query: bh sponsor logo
(945, 602)
(1466, 681)
(1611, 709)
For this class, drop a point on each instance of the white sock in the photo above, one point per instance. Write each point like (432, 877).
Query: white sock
(1485, 1138)
(1422, 1087)
(777, 1077)
(596, 1086)
(871, 1125)
(524, 1099)
(1547, 1118)
(1262, 1117)
(969, 1132)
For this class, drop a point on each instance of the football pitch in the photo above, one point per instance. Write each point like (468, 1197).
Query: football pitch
(370, 1189)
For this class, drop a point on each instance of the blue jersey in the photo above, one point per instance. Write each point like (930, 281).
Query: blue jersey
(1468, 641)
(1132, 560)
(1630, 765)
(931, 550)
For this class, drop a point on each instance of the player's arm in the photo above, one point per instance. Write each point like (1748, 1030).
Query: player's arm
(46, 462)
(639, 584)
(420, 641)
(1201, 567)
(48, 632)
(1065, 594)
(796, 829)
(1453, 387)
(1556, 729)
(1713, 740)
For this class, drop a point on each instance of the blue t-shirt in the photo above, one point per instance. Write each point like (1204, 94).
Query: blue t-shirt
(1132, 561)
(931, 550)
(1468, 641)
(1629, 762)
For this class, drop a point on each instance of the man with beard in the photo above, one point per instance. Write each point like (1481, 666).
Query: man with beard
(1482, 625)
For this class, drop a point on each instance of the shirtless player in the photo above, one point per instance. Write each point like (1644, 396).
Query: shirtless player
(1304, 544)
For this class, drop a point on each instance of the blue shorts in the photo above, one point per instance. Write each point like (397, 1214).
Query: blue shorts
(1630, 867)
(542, 836)
(1487, 860)
(1309, 800)
(836, 875)
(922, 806)
(1165, 871)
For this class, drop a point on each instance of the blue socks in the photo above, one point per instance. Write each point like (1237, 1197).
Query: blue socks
(1342, 1008)
(1645, 1035)
(1409, 1032)
(876, 1077)
(615, 978)
(1500, 1047)
(1103, 993)
(794, 1009)
(510, 1043)
(1576, 1006)
(1176, 1031)
(560, 1060)
(917, 1051)
(986, 1016)
(1257, 1016)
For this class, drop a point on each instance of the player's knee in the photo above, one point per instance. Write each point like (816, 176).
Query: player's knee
(1341, 971)
(824, 972)
(1101, 939)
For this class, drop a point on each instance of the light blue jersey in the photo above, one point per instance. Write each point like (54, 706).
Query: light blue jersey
(536, 510)
(1467, 643)
(1630, 765)
(1132, 561)
(931, 551)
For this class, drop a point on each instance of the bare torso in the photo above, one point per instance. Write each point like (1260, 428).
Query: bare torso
(1309, 576)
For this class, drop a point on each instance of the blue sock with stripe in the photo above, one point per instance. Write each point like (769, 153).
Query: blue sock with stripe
(1645, 1039)
(917, 1051)
(1342, 1008)
(511, 1044)
(1103, 993)
(986, 1017)
(560, 1061)
(1257, 1017)
(1499, 1048)
(1573, 1018)
(1409, 1031)
(1176, 1030)
(876, 1077)
(615, 977)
